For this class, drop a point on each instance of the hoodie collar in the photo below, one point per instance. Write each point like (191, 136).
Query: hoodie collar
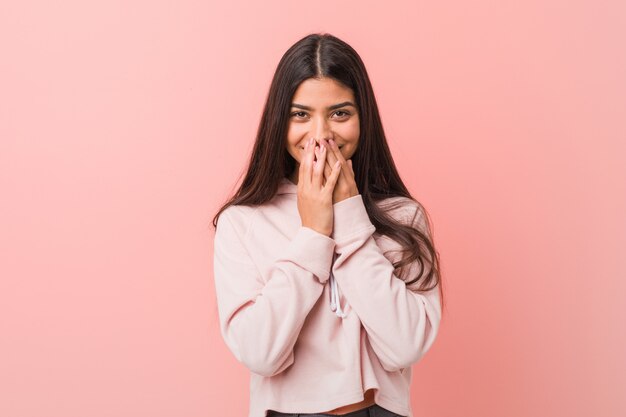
(287, 187)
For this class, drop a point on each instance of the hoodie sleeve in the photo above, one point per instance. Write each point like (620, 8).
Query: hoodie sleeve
(401, 324)
(261, 317)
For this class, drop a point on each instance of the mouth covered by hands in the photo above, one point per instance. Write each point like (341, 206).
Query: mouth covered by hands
(328, 152)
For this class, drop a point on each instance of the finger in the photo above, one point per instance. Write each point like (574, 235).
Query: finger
(331, 153)
(328, 169)
(336, 151)
(318, 168)
(345, 169)
(306, 163)
(331, 181)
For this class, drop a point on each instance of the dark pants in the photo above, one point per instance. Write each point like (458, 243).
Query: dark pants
(371, 411)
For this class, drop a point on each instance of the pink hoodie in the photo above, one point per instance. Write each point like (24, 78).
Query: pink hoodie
(314, 338)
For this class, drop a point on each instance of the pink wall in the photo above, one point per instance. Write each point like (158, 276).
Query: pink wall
(123, 126)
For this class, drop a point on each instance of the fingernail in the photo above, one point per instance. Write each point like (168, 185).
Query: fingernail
(332, 141)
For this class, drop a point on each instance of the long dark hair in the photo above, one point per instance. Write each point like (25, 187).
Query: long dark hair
(376, 176)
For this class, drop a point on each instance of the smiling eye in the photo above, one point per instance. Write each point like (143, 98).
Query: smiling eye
(340, 113)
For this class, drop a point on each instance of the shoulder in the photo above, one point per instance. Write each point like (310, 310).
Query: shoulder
(403, 209)
(236, 218)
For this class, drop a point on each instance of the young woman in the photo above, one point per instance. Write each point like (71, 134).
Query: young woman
(326, 275)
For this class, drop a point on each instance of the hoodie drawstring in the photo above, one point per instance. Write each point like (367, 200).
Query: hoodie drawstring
(335, 304)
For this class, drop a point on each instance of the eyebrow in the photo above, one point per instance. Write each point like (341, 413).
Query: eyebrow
(333, 107)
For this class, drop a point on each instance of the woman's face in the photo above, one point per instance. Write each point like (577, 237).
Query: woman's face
(322, 109)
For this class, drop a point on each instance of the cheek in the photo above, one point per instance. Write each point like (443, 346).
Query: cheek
(294, 141)
(295, 152)
(296, 130)
(351, 132)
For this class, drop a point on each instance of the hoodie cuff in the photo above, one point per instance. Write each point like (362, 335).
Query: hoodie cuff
(313, 251)
(350, 219)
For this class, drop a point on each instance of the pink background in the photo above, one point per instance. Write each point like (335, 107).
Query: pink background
(124, 125)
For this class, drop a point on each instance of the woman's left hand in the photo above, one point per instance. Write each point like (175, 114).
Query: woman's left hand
(346, 185)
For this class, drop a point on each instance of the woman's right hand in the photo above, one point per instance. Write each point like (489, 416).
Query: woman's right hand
(315, 198)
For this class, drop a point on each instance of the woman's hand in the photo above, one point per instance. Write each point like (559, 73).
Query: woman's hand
(346, 185)
(315, 198)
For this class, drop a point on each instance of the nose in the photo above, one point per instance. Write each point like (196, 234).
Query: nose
(321, 130)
